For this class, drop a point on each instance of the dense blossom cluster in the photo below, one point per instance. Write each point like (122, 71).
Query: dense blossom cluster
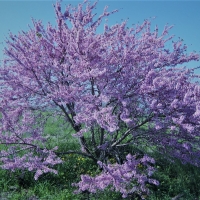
(22, 134)
(120, 87)
(130, 177)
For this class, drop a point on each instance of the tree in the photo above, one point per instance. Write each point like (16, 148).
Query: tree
(119, 88)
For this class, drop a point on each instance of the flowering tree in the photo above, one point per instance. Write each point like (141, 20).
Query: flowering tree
(118, 88)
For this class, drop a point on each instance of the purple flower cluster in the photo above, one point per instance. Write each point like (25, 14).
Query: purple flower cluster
(129, 178)
(22, 135)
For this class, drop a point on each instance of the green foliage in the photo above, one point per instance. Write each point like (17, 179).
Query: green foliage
(176, 179)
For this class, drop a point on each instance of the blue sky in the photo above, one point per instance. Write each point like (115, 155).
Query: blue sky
(184, 15)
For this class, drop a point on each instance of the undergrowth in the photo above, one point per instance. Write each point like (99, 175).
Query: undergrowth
(176, 179)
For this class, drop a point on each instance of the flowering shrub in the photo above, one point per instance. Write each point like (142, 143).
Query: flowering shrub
(107, 86)
(128, 178)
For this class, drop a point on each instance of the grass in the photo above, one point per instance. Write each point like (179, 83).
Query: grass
(175, 178)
